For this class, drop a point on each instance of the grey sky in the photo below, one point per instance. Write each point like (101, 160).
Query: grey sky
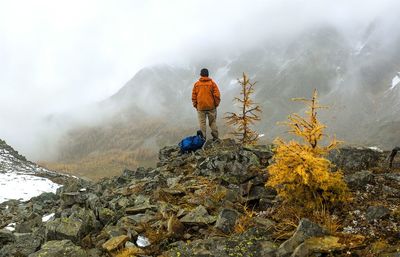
(56, 55)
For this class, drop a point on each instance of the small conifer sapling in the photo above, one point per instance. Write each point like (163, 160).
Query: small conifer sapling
(248, 114)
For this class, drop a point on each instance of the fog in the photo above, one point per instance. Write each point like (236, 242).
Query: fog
(59, 56)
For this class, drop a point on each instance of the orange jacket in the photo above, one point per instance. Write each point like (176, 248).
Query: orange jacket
(205, 94)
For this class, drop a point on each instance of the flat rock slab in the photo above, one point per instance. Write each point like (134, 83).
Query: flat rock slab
(140, 209)
(115, 242)
(63, 248)
(198, 216)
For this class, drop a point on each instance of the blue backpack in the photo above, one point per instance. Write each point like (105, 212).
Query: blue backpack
(193, 143)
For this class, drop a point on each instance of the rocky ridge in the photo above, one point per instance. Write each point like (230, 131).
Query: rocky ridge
(209, 203)
(22, 179)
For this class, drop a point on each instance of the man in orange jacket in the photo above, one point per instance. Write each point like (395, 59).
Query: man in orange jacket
(206, 98)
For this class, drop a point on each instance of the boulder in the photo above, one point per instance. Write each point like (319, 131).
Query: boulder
(115, 243)
(105, 215)
(6, 237)
(198, 216)
(305, 230)
(359, 179)
(318, 245)
(377, 212)
(226, 220)
(63, 248)
(355, 158)
(65, 228)
(25, 244)
(26, 226)
(263, 152)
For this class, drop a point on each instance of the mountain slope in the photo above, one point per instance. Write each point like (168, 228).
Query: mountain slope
(22, 179)
(353, 75)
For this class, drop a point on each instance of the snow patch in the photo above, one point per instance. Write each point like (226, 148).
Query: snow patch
(375, 148)
(359, 47)
(23, 186)
(10, 227)
(48, 217)
(142, 241)
(395, 81)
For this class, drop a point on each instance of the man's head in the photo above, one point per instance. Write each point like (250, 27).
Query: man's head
(204, 72)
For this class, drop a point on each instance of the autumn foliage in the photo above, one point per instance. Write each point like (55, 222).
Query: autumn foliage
(301, 174)
(247, 115)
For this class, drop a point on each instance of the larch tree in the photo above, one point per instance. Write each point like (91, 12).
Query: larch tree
(248, 114)
(301, 174)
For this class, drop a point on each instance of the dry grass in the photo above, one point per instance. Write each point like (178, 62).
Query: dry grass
(287, 219)
(245, 221)
(98, 165)
(326, 220)
(129, 252)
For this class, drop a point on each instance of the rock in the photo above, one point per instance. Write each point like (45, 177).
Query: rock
(249, 158)
(63, 248)
(263, 152)
(352, 158)
(6, 237)
(263, 222)
(69, 198)
(359, 179)
(140, 209)
(268, 249)
(305, 230)
(93, 202)
(114, 231)
(140, 218)
(45, 198)
(166, 152)
(376, 213)
(390, 191)
(142, 200)
(105, 215)
(64, 228)
(32, 221)
(226, 220)
(172, 182)
(198, 216)
(115, 243)
(250, 243)
(316, 245)
(88, 219)
(393, 176)
(25, 244)
(175, 227)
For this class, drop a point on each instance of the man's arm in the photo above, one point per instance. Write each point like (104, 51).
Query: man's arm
(217, 95)
(194, 96)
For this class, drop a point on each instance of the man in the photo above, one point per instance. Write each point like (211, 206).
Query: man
(206, 98)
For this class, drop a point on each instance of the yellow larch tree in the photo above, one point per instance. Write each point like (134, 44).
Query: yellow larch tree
(301, 174)
(248, 114)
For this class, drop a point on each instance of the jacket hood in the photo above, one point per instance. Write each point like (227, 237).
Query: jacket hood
(203, 79)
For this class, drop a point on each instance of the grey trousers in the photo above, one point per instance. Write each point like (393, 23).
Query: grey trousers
(212, 122)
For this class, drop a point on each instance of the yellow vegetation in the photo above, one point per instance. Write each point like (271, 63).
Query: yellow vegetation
(101, 164)
(300, 173)
(248, 114)
(129, 252)
(245, 221)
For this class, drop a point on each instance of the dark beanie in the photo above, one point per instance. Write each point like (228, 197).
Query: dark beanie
(204, 72)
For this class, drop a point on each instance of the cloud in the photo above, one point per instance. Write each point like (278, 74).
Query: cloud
(58, 55)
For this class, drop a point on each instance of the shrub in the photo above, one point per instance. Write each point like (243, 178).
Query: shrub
(301, 174)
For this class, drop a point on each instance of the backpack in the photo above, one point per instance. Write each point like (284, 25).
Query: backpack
(192, 143)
